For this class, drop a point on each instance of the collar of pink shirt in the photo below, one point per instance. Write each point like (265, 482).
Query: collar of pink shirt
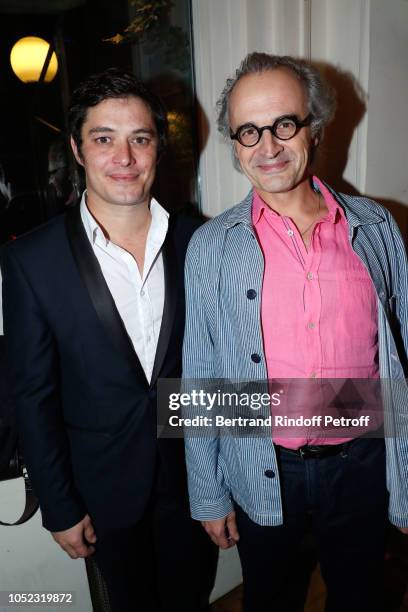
(259, 207)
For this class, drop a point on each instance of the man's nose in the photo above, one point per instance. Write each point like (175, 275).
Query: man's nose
(269, 144)
(123, 154)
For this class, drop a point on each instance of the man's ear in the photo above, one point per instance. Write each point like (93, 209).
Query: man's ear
(75, 151)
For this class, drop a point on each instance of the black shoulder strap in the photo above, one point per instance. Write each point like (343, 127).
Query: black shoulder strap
(31, 502)
(11, 461)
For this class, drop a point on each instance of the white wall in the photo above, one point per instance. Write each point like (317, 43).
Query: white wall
(30, 560)
(387, 171)
(340, 34)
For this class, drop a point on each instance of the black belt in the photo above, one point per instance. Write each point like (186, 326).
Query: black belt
(316, 451)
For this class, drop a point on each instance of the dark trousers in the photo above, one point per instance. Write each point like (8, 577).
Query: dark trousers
(342, 500)
(164, 563)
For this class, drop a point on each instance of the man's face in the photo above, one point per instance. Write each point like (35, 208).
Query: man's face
(118, 152)
(272, 165)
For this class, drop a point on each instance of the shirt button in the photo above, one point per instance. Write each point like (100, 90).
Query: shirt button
(251, 294)
(311, 325)
(256, 358)
(310, 276)
(313, 375)
(290, 232)
(142, 292)
(269, 473)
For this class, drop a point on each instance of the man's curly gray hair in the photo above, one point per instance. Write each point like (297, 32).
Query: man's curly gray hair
(320, 97)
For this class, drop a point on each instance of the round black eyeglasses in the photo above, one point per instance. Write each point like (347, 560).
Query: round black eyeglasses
(284, 128)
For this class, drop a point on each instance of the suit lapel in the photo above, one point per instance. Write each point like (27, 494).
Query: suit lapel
(103, 302)
(170, 301)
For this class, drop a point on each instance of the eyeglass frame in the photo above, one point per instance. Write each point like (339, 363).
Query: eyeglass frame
(272, 128)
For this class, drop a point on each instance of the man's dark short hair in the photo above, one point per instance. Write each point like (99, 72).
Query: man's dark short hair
(113, 83)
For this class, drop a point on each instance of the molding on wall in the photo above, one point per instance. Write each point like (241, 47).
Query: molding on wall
(305, 38)
(220, 42)
(201, 38)
(363, 77)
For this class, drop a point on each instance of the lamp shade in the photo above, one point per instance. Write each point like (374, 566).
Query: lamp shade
(27, 59)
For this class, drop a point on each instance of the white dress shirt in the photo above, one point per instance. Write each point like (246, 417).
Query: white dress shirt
(138, 298)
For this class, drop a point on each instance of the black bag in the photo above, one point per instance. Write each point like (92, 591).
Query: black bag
(11, 461)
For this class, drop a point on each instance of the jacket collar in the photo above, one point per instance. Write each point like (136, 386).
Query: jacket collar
(242, 213)
(170, 304)
(358, 210)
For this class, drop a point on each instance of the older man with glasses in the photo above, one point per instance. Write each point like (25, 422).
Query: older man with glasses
(308, 287)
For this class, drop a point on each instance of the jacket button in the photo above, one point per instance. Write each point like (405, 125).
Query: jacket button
(256, 358)
(251, 294)
(269, 473)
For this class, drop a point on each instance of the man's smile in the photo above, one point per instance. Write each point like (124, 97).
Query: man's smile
(273, 167)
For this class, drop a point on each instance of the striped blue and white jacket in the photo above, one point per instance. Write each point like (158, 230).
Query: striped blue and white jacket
(223, 334)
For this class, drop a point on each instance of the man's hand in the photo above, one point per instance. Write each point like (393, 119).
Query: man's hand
(403, 530)
(223, 532)
(76, 540)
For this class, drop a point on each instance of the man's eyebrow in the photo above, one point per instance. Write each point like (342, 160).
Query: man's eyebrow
(98, 129)
(143, 130)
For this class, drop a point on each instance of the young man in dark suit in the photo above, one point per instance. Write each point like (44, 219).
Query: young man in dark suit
(94, 315)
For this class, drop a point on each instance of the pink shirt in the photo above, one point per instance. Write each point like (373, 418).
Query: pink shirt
(318, 313)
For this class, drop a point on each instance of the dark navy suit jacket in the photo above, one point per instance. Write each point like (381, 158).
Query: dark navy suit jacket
(87, 414)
